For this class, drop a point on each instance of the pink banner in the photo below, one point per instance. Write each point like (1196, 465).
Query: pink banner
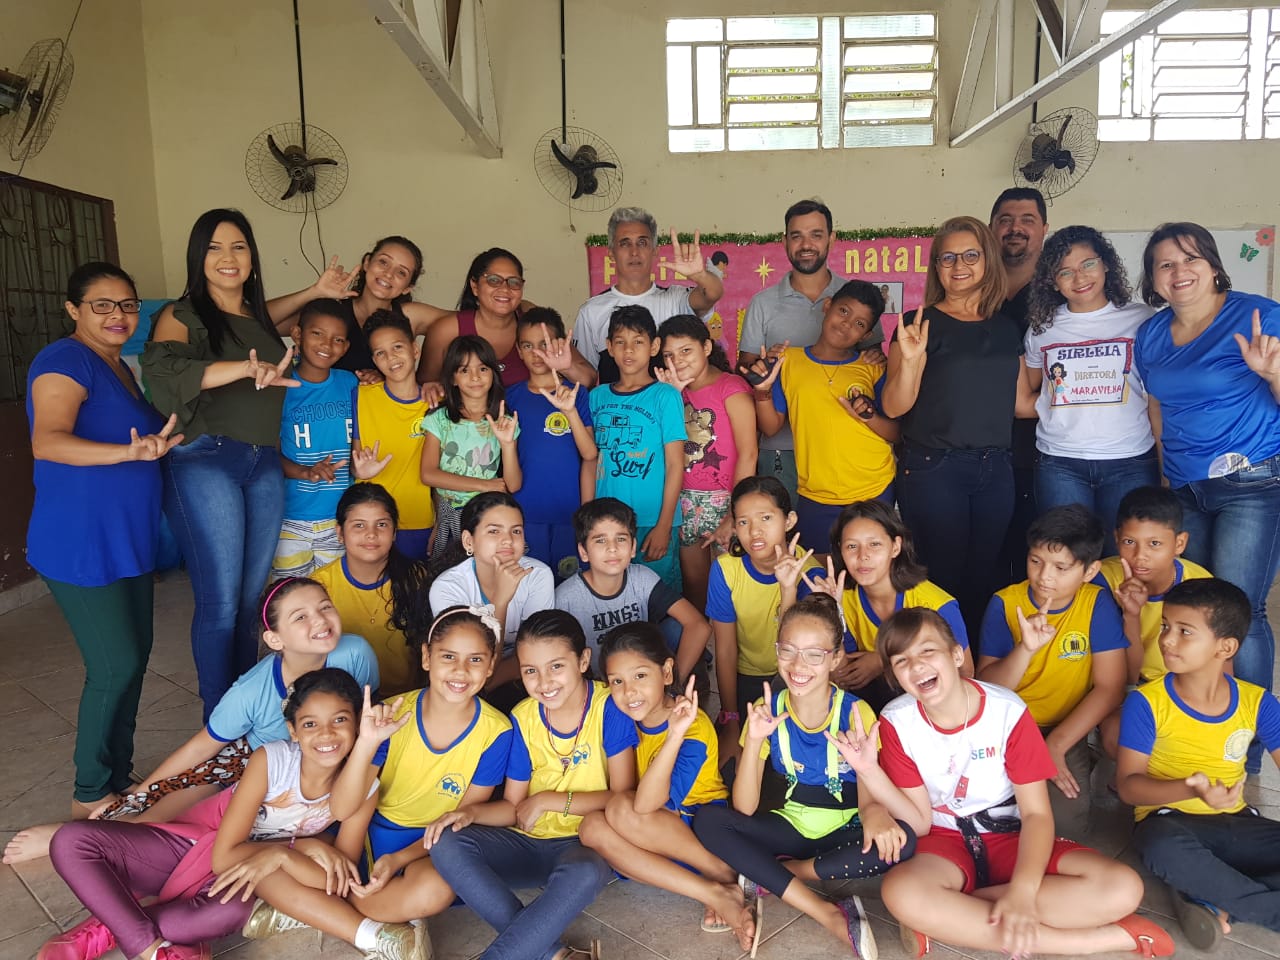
(897, 264)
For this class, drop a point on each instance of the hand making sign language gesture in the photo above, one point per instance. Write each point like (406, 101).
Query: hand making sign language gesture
(1261, 353)
(265, 374)
(336, 282)
(913, 338)
(686, 258)
(153, 446)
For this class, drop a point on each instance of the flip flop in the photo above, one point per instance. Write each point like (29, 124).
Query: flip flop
(1149, 939)
(753, 899)
(861, 939)
(710, 927)
(1199, 922)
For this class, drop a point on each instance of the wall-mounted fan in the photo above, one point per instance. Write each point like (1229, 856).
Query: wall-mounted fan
(1057, 151)
(295, 167)
(31, 99)
(577, 166)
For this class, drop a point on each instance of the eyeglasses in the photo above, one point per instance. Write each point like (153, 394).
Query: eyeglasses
(493, 280)
(814, 658)
(1086, 266)
(969, 256)
(108, 306)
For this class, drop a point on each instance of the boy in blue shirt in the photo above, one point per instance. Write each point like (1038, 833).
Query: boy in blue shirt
(1183, 742)
(556, 434)
(640, 433)
(315, 443)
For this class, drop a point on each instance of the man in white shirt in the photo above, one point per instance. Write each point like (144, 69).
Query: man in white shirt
(633, 236)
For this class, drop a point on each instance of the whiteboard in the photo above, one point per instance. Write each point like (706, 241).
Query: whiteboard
(1248, 263)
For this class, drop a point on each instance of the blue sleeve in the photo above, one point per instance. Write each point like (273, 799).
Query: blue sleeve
(878, 390)
(672, 414)
(619, 730)
(1269, 722)
(950, 612)
(519, 763)
(583, 404)
(689, 761)
(493, 765)
(1100, 581)
(356, 657)
(997, 638)
(1106, 628)
(355, 413)
(380, 755)
(233, 717)
(779, 398)
(1137, 724)
(719, 599)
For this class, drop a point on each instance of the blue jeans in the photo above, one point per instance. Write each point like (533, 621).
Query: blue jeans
(484, 864)
(957, 504)
(1097, 484)
(1234, 527)
(224, 501)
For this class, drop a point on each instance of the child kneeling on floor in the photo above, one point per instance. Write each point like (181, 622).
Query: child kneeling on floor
(963, 764)
(1183, 740)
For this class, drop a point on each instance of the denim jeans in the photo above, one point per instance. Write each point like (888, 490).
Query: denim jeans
(1097, 484)
(224, 501)
(1231, 860)
(484, 864)
(957, 504)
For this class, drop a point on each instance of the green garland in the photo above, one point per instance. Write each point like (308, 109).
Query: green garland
(747, 239)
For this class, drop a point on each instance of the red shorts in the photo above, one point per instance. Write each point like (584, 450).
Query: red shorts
(1002, 853)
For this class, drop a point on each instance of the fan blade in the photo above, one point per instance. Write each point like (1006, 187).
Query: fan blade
(35, 100)
(1032, 172)
(1065, 161)
(277, 152)
(1044, 147)
(317, 162)
(293, 188)
(601, 165)
(1063, 129)
(564, 160)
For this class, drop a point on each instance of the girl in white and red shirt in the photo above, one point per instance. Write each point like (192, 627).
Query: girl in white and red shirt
(965, 766)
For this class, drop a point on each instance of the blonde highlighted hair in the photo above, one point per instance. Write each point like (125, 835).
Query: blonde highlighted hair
(994, 285)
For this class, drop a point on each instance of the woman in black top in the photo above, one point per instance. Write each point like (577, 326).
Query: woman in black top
(956, 376)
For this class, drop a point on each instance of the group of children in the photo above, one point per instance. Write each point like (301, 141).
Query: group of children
(536, 685)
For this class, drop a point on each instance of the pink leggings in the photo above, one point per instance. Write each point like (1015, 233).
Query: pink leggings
(110, 864)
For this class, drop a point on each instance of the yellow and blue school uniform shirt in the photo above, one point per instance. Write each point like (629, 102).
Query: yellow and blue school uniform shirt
(1112, 575)
(1060, 673)
(740, 594)
(862, 626)
(1179, 741)
(695, 778)
(549, 759)
(839, 459)
(822, 789)
(365, 609)
(398, 428)
(419, 784)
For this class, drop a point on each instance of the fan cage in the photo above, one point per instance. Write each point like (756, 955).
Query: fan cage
(1081, 138)
(270, 180)
(560, 183)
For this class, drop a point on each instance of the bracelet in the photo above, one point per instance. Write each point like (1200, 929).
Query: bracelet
(761, 397)
(727, 716)
(568, 803)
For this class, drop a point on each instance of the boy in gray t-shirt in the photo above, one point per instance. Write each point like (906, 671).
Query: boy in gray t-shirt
(612, 589)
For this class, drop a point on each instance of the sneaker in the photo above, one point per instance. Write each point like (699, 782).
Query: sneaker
(87, 940)
(401, 941)
(185, 951)
(267, 921)
(861, 939)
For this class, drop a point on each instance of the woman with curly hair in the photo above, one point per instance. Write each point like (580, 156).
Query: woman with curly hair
(1094, 438)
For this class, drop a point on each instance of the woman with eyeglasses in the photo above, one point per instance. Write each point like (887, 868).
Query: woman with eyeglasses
(1211, 362)
(216, 362)
(489, 307)
(956, 377)
(1094, 436)
(95, 525)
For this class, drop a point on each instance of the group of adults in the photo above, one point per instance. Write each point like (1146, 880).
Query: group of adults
(106, 457)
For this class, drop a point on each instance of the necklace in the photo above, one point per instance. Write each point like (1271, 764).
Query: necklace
(566, 759)
(967, 720)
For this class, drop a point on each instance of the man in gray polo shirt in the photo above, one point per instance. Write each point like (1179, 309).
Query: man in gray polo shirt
(791, 311)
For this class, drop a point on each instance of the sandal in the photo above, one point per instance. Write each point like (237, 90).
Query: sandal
(753, 899)
(1149, 939)
(915, 943)
(709, 926)
(861, 939)
(1199, 922)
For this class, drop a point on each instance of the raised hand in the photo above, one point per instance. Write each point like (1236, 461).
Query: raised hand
(913, 338)
(153, 446)
(1132, 594)
(684, 712)
(559, 353)
(787, 567)
(761, 721)
(858, 746)
(687, 257)
(667, 374)
(831, 585)
(766, 369)
(860, 406)
(365, 463)
(504, 428)
(509, 573)
(1036, 630)
(336, 282)
(1214, 792)
(379, 721)
(1261, 353)
(562, 398)
(270, 375)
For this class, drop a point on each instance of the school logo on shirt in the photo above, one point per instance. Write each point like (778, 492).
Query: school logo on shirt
(556, 424)
(452, 785)
(1237, 745)
(581, 754)
(419, 429)
(1073, 646)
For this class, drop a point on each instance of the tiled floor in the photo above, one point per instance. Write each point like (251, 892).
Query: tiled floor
(41, 678)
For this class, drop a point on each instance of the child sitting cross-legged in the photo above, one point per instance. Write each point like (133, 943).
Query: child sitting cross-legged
(1183, 740)
(962, 763)
(1056, 640)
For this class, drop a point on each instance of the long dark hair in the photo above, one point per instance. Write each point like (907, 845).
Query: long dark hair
(905, 571)
(398, 241)
(459, 349)
(197, 289)
(1045, 296)
(467, 300)
(687, 325)
(469, 522)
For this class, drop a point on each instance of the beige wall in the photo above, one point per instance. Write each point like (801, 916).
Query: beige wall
(102, 142)
(215, 80)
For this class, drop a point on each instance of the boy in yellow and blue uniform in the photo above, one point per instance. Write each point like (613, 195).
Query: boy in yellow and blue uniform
(1057, 641)
(1183, 742)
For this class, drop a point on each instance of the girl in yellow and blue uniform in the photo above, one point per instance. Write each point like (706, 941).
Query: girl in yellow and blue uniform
(572, 749)
(646, 834)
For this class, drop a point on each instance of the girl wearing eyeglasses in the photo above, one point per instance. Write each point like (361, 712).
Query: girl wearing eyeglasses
(956, 378)
(488, 307)
(95, 525)
(1093, 436)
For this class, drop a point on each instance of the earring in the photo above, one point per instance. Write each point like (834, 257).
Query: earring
(468, 550)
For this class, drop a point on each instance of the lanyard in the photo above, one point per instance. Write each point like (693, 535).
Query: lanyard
(833, 783)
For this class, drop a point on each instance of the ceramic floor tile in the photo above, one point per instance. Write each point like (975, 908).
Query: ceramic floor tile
(22, 912)
(50, 891)
(29, 730)
(23, 946)
(669, 924)
(14, 698)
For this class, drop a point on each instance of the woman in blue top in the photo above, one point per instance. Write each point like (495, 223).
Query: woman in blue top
(1211, 363)
(95, 525)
